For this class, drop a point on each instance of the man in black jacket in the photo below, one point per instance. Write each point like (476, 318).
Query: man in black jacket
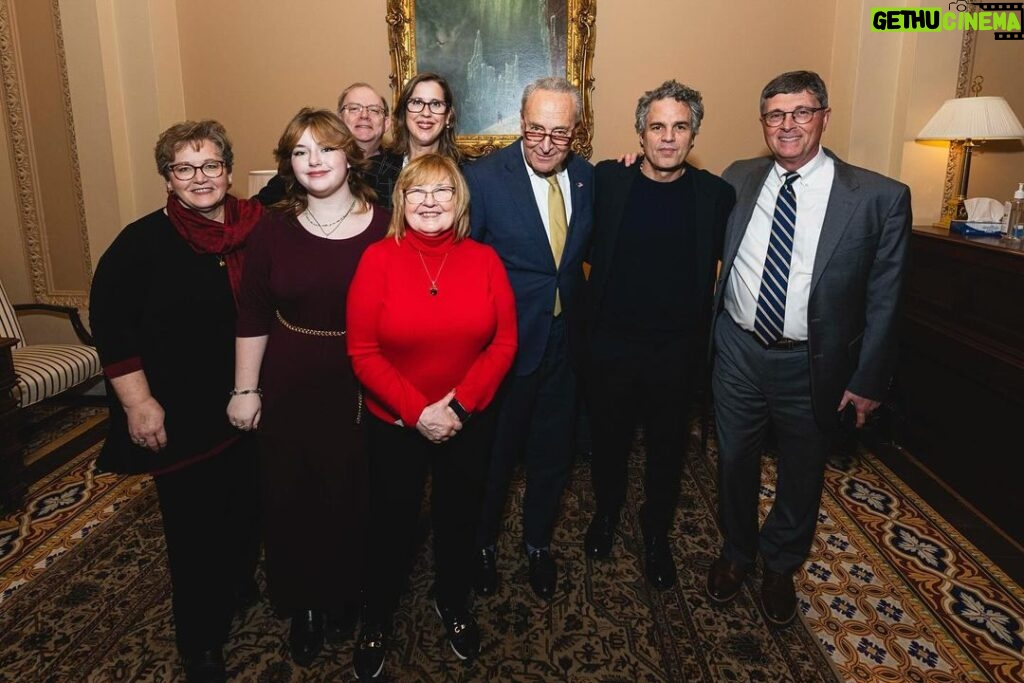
(657, 236)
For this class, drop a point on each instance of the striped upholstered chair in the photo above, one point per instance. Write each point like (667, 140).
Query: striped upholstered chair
(42, 371)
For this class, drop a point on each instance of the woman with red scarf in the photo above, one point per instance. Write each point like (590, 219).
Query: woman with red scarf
(162, 311)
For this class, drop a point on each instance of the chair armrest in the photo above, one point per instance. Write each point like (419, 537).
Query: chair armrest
(70, 311)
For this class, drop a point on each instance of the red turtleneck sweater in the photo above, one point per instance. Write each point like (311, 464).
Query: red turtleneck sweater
(409, 347)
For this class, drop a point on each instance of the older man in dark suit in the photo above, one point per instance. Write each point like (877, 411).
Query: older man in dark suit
(805, 335)
(532, 201)
(658, 229)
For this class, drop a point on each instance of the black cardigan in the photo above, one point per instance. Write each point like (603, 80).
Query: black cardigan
(157, 303)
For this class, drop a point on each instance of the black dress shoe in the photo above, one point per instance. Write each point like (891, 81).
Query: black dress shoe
(206, 666)
(463, 633)
(659, 567)
(486, 580)
(340, 625)
(600, 533)
(306, 638)
(543, 573)
(778, 597)
(369, 651)
(725, 579)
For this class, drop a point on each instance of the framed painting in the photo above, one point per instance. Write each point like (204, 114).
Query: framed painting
(489, 51)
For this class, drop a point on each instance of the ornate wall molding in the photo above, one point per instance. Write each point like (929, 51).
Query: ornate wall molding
(24, 163)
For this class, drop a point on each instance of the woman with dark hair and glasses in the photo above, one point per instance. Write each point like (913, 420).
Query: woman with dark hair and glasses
(431, 333)
(293, 380)
(425, 119)
(162, 311)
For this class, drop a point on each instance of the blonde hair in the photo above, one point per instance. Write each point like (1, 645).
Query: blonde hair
(424, 169)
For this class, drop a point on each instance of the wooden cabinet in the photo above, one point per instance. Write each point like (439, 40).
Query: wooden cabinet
(960, 382)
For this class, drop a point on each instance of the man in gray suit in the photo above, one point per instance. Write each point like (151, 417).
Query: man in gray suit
(804, 337)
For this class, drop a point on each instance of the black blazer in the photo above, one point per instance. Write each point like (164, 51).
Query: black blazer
(613, 182)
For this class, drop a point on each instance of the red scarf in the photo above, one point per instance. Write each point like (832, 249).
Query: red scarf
(226, 239)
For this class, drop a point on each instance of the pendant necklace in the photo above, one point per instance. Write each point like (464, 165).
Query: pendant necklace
(220, 260)
(433, 280)
(335, 223)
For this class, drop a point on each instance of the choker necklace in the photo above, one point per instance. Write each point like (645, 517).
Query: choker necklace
(433, 280)
(335, 223)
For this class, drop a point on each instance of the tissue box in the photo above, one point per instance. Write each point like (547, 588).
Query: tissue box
(976, 228)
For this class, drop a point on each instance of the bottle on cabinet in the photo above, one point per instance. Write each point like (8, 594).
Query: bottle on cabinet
(1015, 224)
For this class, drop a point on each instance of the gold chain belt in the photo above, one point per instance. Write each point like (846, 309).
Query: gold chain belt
(306, 330)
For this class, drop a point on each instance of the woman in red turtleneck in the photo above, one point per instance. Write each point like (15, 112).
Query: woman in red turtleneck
(431, 332)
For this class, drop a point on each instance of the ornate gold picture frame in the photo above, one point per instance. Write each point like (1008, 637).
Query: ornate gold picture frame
(489, 55)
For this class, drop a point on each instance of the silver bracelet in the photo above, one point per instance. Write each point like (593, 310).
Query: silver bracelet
(242, 392)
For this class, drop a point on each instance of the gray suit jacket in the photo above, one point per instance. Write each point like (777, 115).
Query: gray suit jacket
(855, 284)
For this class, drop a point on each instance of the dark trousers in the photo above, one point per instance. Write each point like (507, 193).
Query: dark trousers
(536, 421)
(400, 459)
(652, 384)
(211, 523)
(754, 387)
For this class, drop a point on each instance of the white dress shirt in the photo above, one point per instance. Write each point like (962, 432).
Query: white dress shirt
(812, 189)
(541, 187)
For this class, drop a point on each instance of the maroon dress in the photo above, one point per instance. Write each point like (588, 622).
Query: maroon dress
(312, 454)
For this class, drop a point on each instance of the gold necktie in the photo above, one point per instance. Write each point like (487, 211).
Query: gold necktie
(557, 228)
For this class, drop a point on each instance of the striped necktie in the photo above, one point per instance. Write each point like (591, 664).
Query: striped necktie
(557, 228)
(770, 319)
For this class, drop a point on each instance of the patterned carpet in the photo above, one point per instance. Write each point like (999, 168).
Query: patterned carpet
(891, 593)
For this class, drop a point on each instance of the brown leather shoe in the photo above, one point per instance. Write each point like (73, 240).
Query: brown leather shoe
(725, 578)
(778, 597)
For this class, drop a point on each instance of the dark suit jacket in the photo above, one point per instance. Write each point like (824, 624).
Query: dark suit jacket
(855, 284)
(612, 184)
(504, 214)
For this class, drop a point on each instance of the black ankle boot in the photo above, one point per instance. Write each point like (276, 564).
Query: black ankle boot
(306, 638)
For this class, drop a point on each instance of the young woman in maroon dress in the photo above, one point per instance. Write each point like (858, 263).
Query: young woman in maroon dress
(431, 332)
(293, 380)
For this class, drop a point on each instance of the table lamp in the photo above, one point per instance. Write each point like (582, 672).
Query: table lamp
(971, 121)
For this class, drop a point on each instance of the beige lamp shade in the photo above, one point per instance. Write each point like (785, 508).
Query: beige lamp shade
(974, 118)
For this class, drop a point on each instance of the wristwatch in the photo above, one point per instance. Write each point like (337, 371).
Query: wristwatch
(459, 410)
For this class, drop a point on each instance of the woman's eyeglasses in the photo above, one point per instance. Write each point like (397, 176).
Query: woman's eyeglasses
(418, 195)
(210, 169)
(416, 105)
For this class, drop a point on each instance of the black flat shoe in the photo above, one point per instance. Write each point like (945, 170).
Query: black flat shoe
(306, 638)
(206, 667)
(369, 652)
(463, 633)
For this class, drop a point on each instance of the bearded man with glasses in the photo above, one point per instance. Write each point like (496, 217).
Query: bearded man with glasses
(532, 201)
(805, 334)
